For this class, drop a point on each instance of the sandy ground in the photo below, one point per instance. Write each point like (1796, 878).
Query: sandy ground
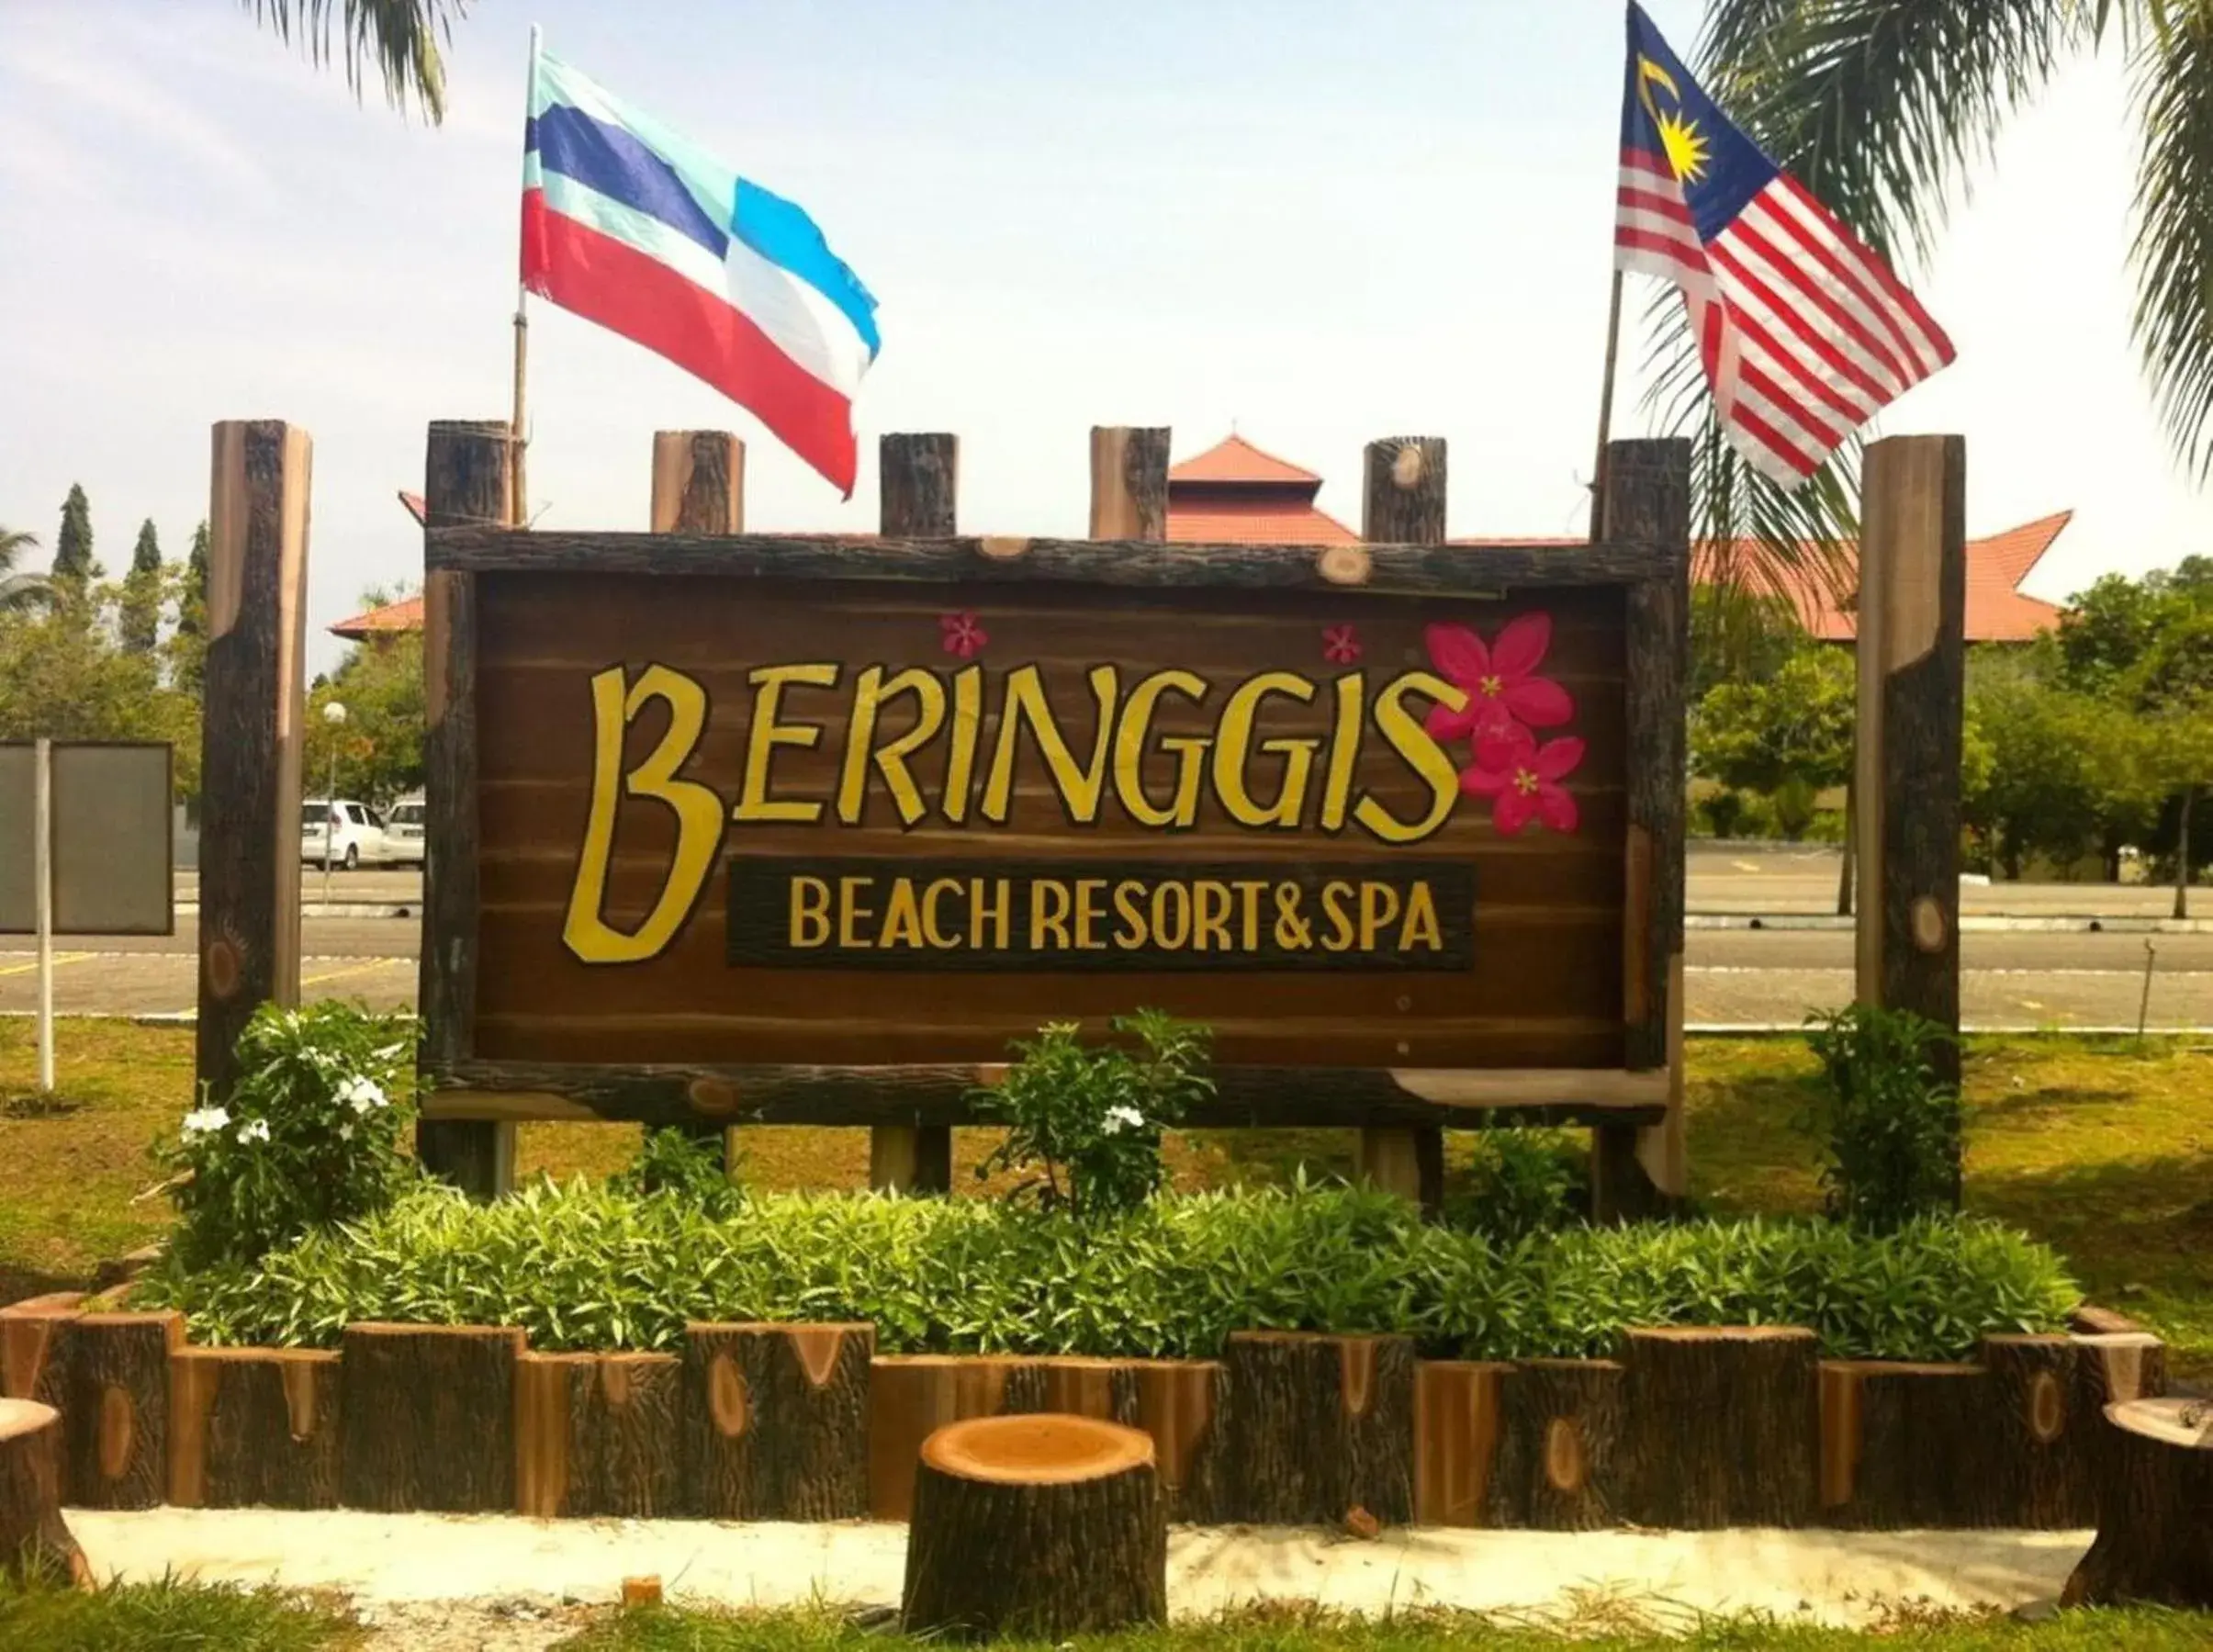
(436, 1581)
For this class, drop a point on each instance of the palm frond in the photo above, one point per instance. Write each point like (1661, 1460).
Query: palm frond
(14, 542)
(19, 591)
(2172, 252)
(1881, 108)
(402, 39)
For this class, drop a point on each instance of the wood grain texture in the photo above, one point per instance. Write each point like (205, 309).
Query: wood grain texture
(1559, 1466)
(2042, 1432)
(599, 1434)
(1647, 499)
(1457, 1415)
(1912, 665)
(2154, 1510)
(114, 1371)
(1317, 1430)
(910, 1398)
(777, 1421)
(1314, 1097)
(699, 482)
(429, 1420)
(467, 474)
(29, 1343)
(1720, 1427)
(1905, 1445)
(253, 709)
(36, 1543)
(1426, 570)
(253, 1427)
(1129, 483)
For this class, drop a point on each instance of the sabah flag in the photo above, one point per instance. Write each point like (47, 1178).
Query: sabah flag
(635, 227)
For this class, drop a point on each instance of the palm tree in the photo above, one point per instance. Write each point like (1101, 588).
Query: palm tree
(19, 590)
(399, 37)
(1881, 109)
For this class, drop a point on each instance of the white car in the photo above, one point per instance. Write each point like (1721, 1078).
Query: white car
(403, 829)
(352, 834)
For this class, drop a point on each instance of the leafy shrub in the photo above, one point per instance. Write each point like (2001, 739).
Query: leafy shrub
(1889, 1131)
(1519, 1182)
(582, 1266)
(1087, 1122)
(310, 1134)
(1722, 813)
(675, 1164)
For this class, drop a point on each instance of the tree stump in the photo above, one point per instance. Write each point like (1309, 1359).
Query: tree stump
(2155, 1509)
(1905, 1445)
(253, 1426)
(1035, 1524)
(429, 1418)
(1721, 1427)
(33, 1537)
(1559, 1443)
(1319, 1430)
(778, 1421)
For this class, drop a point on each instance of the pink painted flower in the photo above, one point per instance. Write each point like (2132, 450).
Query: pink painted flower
(1503, 691)
(1522, 780)
(1340, 644)
(964, 635)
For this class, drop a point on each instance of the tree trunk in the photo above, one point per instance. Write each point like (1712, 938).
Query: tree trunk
(1721, 1427)
(2155, 1509)
(778, 1420)
(1560, 1436)
(1037, 1525)
(2043, 1430)
(253, 1427)
(429, 1420)
(1179, 1404)
(599, 1435)
(1319, 1430)
(2182, 856)
(1851, 842)
(114, 1370)
(33, 1537)
(1903, 1445)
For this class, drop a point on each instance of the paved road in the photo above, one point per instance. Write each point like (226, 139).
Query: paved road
(1736, 977)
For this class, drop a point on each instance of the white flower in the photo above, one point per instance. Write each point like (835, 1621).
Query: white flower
(1121, 1117)
(345, 1132)
(391, 1053)
(362, 1094)
(205, 1121)
(253, 1130)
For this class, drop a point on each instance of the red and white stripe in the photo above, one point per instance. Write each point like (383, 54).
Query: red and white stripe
(1805, 333)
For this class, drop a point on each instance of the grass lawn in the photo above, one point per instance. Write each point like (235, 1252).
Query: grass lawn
(169, 1617)
(2105, 1152)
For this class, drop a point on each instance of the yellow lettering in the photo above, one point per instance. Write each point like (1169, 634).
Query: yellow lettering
(902, 917)
(1079, 787)
(1234, 743)
(938, 937)
(766, 733)
(698, 815)
(1421, 925)
(1378, 907)
(981, 912)
(1171, 938)
(1403, 732)
(851, 913)
(1211, 916)
(1049, 905)
(1189, 753)
(968, 726)
(1336, 897)
(1344, 750)
(1129, 898)
(1088, 913)
(870, 694)
(1251, 890)
(810, 924)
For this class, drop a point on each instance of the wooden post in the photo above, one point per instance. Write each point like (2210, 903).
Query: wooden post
(253, 711)
(34, 1540)
(1912, 660)
(698, 487)
(469, 472)
(1128, 481)
(1635, 1171)
(918, 497)
(1403, 503)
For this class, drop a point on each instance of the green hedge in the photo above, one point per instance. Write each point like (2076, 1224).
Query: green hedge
(583, 1267)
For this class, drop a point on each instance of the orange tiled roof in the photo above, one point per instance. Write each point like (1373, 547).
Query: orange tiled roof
(1235, 460)
(403, 615)
(1254, 521)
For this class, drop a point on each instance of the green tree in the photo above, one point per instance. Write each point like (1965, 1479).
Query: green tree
(141, 613)
(378, 748)
(2065, 773)
(73, 565)
(189, 643)
(64, 675)
(1788, 733)
(19, 590)
(2181, 753)
(399, 38)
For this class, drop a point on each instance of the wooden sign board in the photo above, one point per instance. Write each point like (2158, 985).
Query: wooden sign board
(807, 829)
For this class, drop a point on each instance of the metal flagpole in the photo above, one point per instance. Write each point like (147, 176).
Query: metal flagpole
(42, 876)
(1598, 468)
(518, 506)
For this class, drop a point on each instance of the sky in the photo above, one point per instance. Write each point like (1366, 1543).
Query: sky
(1317, 222)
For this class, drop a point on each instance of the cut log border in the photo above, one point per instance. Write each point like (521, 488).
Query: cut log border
(1305, 1429)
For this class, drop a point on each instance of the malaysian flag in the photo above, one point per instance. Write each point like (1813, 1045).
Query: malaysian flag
(1805, 333)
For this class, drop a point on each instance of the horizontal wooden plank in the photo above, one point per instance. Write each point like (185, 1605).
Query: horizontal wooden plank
(940, 1094)
(1394, 569)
